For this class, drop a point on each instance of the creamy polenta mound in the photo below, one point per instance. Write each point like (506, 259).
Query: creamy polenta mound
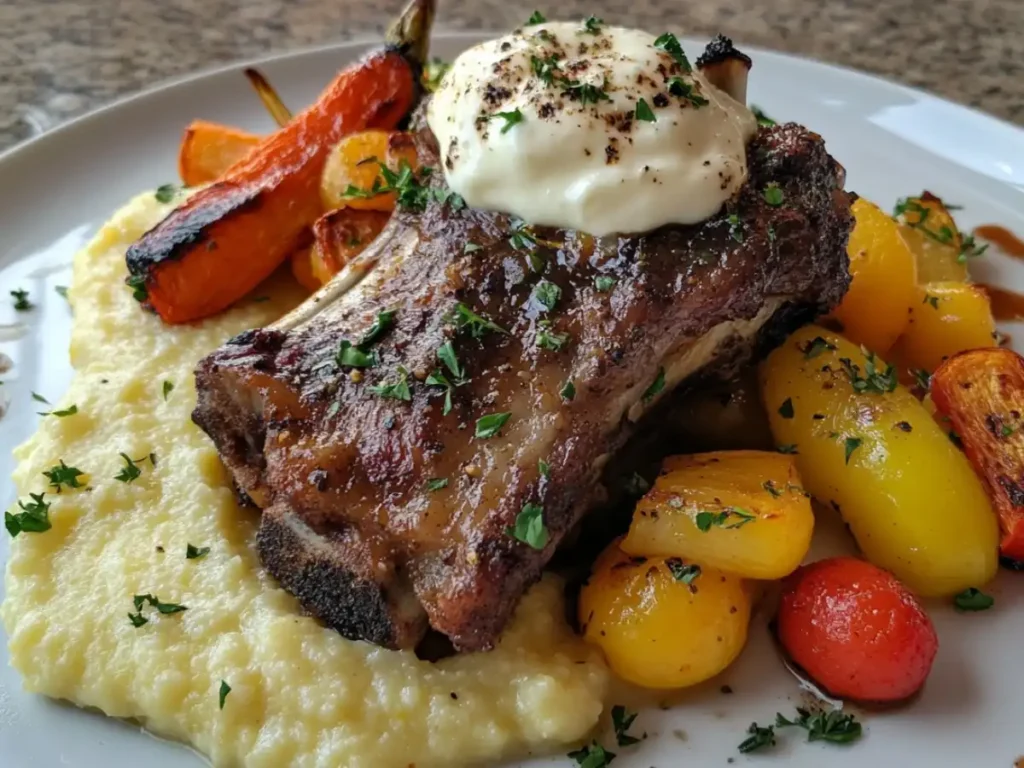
(300, 694)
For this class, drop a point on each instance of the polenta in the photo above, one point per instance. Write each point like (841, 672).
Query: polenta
(299, 693)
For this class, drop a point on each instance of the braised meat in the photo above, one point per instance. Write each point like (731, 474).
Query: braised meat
(468, 371)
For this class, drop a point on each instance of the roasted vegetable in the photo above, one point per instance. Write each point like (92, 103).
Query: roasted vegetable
(352, 172)
(856, 630)
(663, 622)
(209, 149)
(945, 318)
(273, 103)
(876, 308)
(225, 239)
(932, 235)
(981, 393)
(744, 512)
(867, 447)
(338, 237)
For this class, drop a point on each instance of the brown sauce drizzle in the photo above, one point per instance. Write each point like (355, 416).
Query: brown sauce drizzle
(1003, 239)
(1006, 305)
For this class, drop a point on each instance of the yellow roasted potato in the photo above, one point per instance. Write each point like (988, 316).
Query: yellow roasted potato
(866, 446)
(932, 235)
(876, 307)
(355, 163)
(744, 512)
(945, 318)
(663, 622)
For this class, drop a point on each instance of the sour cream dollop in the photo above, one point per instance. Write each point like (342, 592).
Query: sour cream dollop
(600, 131)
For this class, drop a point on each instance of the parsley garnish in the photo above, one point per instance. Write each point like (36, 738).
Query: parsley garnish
(529, 527)
(437, 483)
(656, 386)
(137, 619)
(758, 739)
(544, 469)
(972, 599)
(831, 726)
(225, 689)
(433, 72)
(933, 300)
(21, 302)
(705, 520)
(786, 409)
(62, 291)
(969, 249)
(585, 92)
(544, 68)
(194, 553)
(592, 756)
(397, 390)
(592, 25)
(446, 354)
(168, 387)
(352, 357)
(62, 474)
(131, 471)
(769, 486)
(922, 378)
(39, 398)
(511, 118)
(70, 411)
(568, 390)
(548, 294)
(604, 283)
(735, 227)
(786, 448)
(535, 18)
(471, 248)
(33, 518)
(138, 285)
(491, 424)
(165, 193)
(687, 91)
(381, 325)
(622, 719)
(670, 44)
(773, 194)
(643, 111)
(548, 339)
(409, 186)
(466, 319)
(762, 118)
(873, 381)
(850, 445)
(684, 572)
(816, 346)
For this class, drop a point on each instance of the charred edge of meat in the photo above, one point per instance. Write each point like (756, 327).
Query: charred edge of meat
(725, 67)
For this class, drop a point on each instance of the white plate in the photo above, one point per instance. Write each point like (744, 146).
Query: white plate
(57, 189)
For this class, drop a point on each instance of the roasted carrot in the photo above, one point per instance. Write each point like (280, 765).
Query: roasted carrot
(209, 149)
(227, 238)
(981, 392)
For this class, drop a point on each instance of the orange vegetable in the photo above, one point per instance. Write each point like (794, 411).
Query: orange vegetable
(981, 392)
(338, 237)
(302, 269)
(224, 240)
(355, 163)
(932, 235)
(856, 630)
(209, 149)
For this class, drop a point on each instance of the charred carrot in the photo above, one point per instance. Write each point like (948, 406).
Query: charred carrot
(209, 149)
(227, 238)
(981, 392)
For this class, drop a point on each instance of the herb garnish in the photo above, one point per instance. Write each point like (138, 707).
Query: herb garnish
(138, 285)
(644, 112)
(194, 553)
(62, 291)
(548, 339)
(69, 411)
(873, 381)
(972, 599)
(833, 726)
(535, 18)
(544, 68)
(544, 469)
(786, 409)
(466, 319)
(622, 719)
(352, 357)
(769, 486)
(437, 483)
(758, 739)
(687, 91)
(491, 424)
(409, 186)
(446, 354)
(816, 346)
(21, 302)
(222, 695)
(930, 299)
(396, 390)
(773, 194)
(511, 118)
(740, 517)
(587, 93)
(592, 25)
(131, 471)
(670, 44)
(168, 387)
(592, 756)
(433, 72)
(850, 445)
(39, 398)
(548, 294)
(33, 518)
(786, 448)
(137, 619)
(529, 527)
(762, 118)
(62, 474)
(381, 325)
(568, 390)
(735, 227)
(165, 193)
(656, 386)
(684, 572)
(604, 283)
(969, 249)
(471, 248)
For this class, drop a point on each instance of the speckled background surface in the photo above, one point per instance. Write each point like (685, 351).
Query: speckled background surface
(60, 58)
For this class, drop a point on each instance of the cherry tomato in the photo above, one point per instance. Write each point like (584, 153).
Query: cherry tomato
(856, 630)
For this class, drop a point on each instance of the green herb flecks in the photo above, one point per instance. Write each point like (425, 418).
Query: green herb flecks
(62, 291)
(671, 45)
(544, 469)
(469, 321)
(167, 388)
(138, 285)
(394, 390)
(932, 300)
(683, 572)
(969, 249)
(471, 248)
(688, 92)
(437, 483)
(622, 719)
(656, 386)
(644, 111)
(568, 391)
(140, 601)
(728, 519)
(786, 409)
(762, 118)
(735, 228)
(131, 471)
(34, 516)
(529, 527)
(166, 192)
(535, 18)
(786, 448)
(773, 194)
(592, 25)
(832, 726)
(410, 187)
(69, 411)
(21, 302)
(545, 67)
(352, 357)
(222, 694)
(816, 346)
(769, 486)
(384, 321)
(972, 599)
(194, 553)
(433, 73)
(604, 283)
(62, 475)
(873, 381)
(491, 424)
(549, 339)
(592, 756)
(759, 738)
(850, 445)
(511, 118)
(547, 294)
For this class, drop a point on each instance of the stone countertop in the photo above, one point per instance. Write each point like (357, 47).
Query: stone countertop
(60, 58)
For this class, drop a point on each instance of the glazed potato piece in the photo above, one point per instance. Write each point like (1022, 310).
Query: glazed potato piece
(355, 164)
(876, 308)
(981, 394)
(932, 235)
(945, 318)
(744, 512)
(663, 622)
(338, 237)
(866, 446)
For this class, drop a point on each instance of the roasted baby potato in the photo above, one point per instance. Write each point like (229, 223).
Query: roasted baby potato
(945, 318)
(663, 622)
(352, 172)
(932, 235)
(866, 446)
(744, 512)
(876, 308)
(981, 393)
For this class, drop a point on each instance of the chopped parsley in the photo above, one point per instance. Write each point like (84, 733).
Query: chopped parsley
(394, 390)
(644, 111)
(762, 118)
(728, 519)
(544, 68)
(930, 299)
(511, 118)
(438, 379)
(735, 227)
(471, 248)
(168, 387)
(592, 756)
(535, 18)
(873, 381)
(69, 411)
(529, 527)
(522, 237)
(137, 619)
(816, 346)
(850, 445)
(622, 719)
(33, 518)
(62, 291)
(773, 194)
(670, 44)
(759, 738)
(194, 553)
(568, 391)
(409, 186)
(687, 91)
(969, 249)
(131, 471)
(446, 354)
(39, 398)
(547, 294)
(832, 726)
(138, 285)
(466, 319)
(437, 483)
(62, 474)
(165, 193)
(786, 409)
(786, 448)
(544, 469)
(433, 72)
(352, 357)
(587, 93)
(548, 339)
(682, 572)
(491, 424)
(21, 302)
(222, 695)
(972, 599)
(604, 283)
(769, 486)
(592, 25)
(384, 321)
(656, 386)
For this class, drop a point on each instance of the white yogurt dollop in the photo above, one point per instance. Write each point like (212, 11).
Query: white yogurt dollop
(601, 132)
